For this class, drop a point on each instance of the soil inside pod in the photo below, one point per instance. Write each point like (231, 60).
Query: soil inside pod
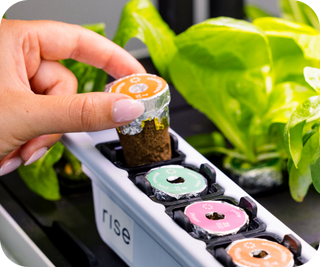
(260, 254)
(149, 146)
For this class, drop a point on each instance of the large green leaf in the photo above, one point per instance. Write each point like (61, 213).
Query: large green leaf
(307, 111)
(294, 46)
(41, 177)
(299, 12)
(284, 99)
(220, 69)
(306, 37)
(140, 19)
(300, 176)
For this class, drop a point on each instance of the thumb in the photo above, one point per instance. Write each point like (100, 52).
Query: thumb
(37, 119)
(77, 113)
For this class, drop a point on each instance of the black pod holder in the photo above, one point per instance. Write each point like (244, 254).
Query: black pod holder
(157, 237)
(205, 170)
(113, 152)
(255, 224)
(217, 249)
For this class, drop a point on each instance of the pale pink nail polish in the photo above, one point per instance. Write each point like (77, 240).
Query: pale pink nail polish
(36, 155)
(126, 110)
(10, 165)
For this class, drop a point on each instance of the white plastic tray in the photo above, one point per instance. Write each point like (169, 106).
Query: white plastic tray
(18, 246)
(137, 228)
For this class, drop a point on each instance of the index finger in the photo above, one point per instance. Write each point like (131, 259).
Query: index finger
(60, 40)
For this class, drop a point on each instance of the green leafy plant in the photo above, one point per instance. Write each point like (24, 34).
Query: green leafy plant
(140, 19)
(302, 141)
(297, 11)
(41, 176)
(247, 78)
(291, 10)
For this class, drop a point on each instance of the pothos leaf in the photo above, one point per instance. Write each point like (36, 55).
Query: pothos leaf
(41, 177)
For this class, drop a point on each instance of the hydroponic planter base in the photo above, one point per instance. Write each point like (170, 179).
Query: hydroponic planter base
(137, 228)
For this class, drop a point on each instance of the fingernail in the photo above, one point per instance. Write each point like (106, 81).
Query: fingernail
(10, 165)
(126, 110)
(36, 155)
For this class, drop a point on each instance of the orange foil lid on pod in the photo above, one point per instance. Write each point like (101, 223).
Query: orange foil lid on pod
(152, 91)
(256, 252)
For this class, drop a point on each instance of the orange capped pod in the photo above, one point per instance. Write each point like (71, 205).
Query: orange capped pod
(256, 252)
(146, 139)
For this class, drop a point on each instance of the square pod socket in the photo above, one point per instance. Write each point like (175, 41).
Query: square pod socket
(216, 219)
(113, 152)
(175, 184)
(259, 249)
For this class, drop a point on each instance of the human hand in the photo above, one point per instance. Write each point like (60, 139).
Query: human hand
(37, 93)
